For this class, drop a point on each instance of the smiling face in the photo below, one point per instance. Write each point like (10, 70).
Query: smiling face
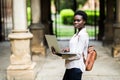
(79, 22)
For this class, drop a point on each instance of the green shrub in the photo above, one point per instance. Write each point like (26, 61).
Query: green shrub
(91, 16)
(28, 15)
(67, 16)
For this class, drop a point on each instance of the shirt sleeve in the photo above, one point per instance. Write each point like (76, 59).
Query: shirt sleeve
(84, 49)
(82, 45)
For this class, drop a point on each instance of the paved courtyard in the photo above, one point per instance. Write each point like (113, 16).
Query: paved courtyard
(51, 67)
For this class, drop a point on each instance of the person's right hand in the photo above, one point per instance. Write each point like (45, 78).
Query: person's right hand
(66, 49)
(53, 50)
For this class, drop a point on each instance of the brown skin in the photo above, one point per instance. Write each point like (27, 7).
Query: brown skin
(79, 22)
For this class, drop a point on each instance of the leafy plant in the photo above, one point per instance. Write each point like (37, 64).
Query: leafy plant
(91, 16)
(68, 31)
(28, 15)
(67, 16)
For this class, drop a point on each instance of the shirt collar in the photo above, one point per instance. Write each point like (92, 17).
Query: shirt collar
(82, 30)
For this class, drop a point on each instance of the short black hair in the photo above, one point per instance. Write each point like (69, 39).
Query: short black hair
(82, 13)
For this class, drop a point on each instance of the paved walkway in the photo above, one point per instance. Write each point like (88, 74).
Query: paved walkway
(52, 67)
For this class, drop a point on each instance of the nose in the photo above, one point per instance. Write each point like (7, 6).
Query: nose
(75, 21)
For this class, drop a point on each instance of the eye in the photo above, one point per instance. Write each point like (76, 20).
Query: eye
(78, 20)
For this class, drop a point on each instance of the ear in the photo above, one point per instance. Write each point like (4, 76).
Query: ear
(84, 22)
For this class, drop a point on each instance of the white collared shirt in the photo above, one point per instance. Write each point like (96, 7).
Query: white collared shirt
(79, 45)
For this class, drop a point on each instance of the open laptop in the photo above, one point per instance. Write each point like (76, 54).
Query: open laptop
(52, 42)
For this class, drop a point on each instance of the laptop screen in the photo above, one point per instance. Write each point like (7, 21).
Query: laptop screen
(52, 41)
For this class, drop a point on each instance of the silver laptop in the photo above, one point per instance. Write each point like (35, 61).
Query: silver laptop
(52, 42)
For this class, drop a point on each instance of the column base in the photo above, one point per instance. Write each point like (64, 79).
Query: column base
(21, 72)
(38, 50)
(116, 51)
(38, 47)
(108, 35)
(21, 67)
(20, 48)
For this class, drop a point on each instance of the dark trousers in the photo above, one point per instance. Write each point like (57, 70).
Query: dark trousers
(73, 74)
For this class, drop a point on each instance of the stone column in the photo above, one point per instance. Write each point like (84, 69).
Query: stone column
(46, 16)
(21, 66)
(116, 46)
(101, 19)
(37, 29)
(1, 36)
(108, 33)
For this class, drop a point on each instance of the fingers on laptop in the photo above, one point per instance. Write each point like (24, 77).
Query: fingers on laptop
(66, 49)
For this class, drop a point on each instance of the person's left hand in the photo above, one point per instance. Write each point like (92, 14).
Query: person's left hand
(53, 50)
